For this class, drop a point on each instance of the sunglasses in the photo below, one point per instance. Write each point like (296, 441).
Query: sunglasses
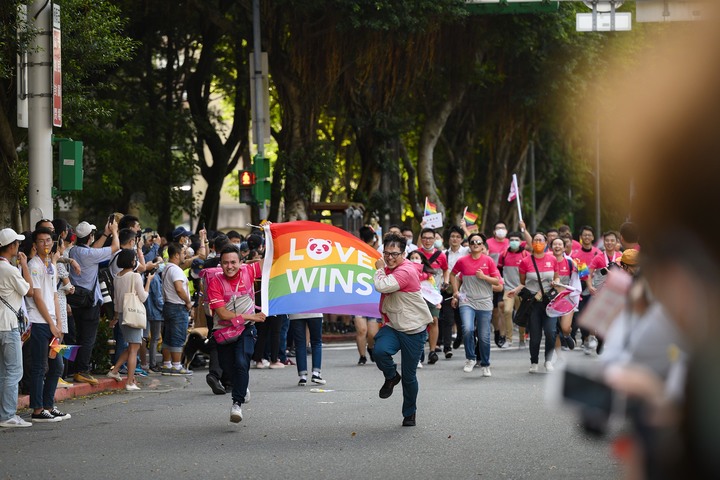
(475, 242)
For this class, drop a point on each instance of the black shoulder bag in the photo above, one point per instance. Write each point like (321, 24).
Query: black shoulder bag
(22, 324)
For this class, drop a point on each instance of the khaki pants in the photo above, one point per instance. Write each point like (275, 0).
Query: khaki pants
(509, 306)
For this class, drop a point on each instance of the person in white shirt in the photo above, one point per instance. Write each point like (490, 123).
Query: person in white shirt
(176, 311)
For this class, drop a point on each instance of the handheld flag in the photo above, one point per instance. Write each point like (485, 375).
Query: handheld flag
(514, 194)
(313, 267)
(67, 351)
(469, 217)
(430, 208)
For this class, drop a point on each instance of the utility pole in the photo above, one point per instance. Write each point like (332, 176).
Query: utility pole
(40, 113)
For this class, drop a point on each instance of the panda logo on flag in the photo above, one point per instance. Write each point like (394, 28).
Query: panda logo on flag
(318, 248)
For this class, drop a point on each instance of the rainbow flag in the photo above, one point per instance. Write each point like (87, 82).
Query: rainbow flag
(313, 267)
(430, 208)
(67, 351)
(469, 217)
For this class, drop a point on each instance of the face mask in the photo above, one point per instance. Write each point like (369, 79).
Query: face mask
(514, 244)
(500, 233)
(539, 247)
(438, 244)
(416, 260)
(161, 267)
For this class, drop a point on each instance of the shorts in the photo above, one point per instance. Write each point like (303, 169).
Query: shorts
(497, 298)
(175, 326)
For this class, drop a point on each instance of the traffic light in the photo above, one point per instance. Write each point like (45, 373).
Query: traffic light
(261, 190)
(246, 179)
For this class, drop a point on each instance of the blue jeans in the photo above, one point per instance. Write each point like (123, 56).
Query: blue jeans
(120, 343)
(235, 361)
(297, 327)
(388, 342)
(175, 326)
(481, 320)
(11, 371)
(539, 322)
(42, 385)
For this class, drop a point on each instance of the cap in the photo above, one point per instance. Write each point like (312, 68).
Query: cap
(180, 232)
(8, 236)
(84, 229)
(630, 257)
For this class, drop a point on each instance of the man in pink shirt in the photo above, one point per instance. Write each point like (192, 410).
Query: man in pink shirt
(583, 257)
(438, 261)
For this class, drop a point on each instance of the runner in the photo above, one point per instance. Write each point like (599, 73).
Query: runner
(509, 266)
(438, 261)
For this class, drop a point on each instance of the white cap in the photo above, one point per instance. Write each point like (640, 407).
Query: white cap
(8, 236)
(84, 229)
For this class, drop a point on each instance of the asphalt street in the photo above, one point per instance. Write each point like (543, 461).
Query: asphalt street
(468, 427)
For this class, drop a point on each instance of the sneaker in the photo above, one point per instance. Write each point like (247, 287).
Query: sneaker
(497, 338)
(506, 345)
(420, 365)
(236, 413)
(469, 365)
(176, 372)
(387, 389)
(432, 358)
(15, 422)
(457, 342)
(44, 417)
(409, 421)
(215, 385)
(247, 394)
(570, 342)
(486, 371)
(63, 384)
(84, 377)
(586, 349)
(62, 415)
(592, 342)
(276, 365)
(140, 372)
(123, 370)
(302, 382)
(502, 341)
(533, 368)
(114, 375)
(317, 378)
(288, 362)
(549, 367)
(156, 369)
(132, 387)
(262, 364)
(363, 360)
(448, 353)
(370, 353)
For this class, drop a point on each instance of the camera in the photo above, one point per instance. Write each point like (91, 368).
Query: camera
(105, 292)
(603, 271)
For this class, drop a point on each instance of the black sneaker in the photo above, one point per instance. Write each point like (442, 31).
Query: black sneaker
(387, 389)
(44, 417)
(369, 350)
(570, 342)
(215, 385)
(457, 342)
(363, 360)
(432, 358)
(58, 414)
(502, 341)
(497, 338)
(448, 352)
(302, 382)
(409, 421)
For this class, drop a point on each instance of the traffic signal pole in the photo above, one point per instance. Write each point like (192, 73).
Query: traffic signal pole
(258, 118)
(40, 113)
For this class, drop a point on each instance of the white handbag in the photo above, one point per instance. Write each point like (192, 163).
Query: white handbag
(133, 310)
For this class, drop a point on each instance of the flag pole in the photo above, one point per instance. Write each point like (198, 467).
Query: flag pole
(517, 196)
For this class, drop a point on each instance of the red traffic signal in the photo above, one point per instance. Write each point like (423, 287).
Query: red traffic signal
(247, 178)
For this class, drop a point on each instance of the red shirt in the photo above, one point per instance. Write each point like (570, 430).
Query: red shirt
(220, 288)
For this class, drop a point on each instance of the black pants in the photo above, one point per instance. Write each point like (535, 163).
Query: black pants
(448, 317)
(584, 300)
(86, 327)
(268, 332)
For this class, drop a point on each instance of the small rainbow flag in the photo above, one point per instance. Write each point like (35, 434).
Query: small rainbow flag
(67, 351)
(430, 208)
(583, 270)
(469, 217)
(313, 267)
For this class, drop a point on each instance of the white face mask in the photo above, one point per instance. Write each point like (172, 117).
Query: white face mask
(416, 260)
(438, 244)
(500, 233)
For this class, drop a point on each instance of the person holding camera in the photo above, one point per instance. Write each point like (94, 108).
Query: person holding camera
(13, 287)
(538, 273)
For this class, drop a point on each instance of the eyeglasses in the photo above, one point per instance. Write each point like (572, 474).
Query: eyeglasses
(475, 242)
(428, 238)
(392, 254)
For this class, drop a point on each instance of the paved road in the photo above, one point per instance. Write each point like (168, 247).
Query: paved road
(468, 427)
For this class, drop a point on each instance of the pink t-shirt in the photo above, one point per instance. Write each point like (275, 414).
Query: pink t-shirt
(510, 263)
(547, 268)
(582, 259)
(220, 288)
(476, 293)
(497, 247)
(440, 264)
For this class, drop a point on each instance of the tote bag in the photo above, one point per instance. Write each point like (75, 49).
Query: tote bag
(133, 310)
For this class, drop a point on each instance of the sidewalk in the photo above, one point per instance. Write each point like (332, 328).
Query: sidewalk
(78, 390)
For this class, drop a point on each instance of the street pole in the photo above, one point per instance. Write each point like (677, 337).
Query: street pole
(258, 120)
(40, 167)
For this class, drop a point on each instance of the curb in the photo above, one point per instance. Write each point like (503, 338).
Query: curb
(78, 390)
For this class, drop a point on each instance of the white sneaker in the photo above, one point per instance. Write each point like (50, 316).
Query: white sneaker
(533, 368)
(15, 422)
(486, 372)
(132, 387)
(317, 378)
(247, 395)
(236, 413)
(549, 367)
(420, 365)
(592, 342)
(469, 364)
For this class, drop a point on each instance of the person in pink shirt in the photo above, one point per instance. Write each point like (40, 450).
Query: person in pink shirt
(538, 273)
(582, 258)
(438, 261)
(473, 278)
(509, 265)
(600, 264)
